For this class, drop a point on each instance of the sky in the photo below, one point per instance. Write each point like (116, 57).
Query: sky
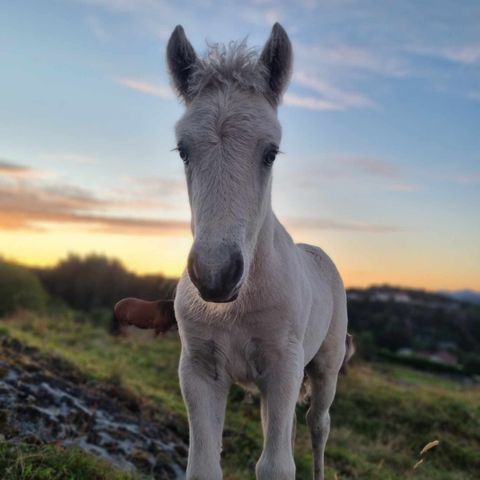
(381, 132)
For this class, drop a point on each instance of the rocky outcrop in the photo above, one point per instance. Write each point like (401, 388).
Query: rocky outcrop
(47, 399)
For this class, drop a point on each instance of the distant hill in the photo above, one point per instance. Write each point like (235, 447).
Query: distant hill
(426, 327)
(470, 296)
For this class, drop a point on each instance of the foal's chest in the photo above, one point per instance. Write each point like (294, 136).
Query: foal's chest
(242, 355)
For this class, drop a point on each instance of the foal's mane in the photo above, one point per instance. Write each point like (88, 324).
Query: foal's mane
(234, 65)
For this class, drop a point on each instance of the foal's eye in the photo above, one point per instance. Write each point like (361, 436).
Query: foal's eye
(183, 154)
(270, 156)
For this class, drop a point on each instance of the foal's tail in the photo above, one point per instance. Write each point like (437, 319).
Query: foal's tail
(349, 352)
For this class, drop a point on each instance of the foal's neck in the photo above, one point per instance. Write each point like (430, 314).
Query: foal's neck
(271, 234)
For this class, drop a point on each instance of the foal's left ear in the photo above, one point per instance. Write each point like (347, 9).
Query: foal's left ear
(277, 59)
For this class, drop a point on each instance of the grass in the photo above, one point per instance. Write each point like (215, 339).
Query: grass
(382, 417)
(50, 462)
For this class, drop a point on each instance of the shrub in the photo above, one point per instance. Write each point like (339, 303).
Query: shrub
(20, 289)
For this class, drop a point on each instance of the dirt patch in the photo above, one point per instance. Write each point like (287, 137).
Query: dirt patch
(47, 399)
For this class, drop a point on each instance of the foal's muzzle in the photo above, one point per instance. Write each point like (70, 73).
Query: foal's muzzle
(217, 281)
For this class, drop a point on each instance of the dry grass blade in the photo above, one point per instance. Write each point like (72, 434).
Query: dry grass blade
(418, 464)
(429, 446)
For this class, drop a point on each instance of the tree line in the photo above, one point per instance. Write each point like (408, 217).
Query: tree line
(85, 283)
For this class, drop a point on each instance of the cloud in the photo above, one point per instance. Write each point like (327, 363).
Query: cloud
(326, 224)
(8, 168)
(152, 186)
(157, 90)
(29, 207)
(341, 99)
(71, 157)
(472, 179)
(15, 170)
(97, 28)
(373, 166)
(402, 187)
(311, 103)
(335, 99)
(29, 202)
(342, 56)
(464, 54)
(128, 6)
(38, 206)
(331, 70)
(354, 165)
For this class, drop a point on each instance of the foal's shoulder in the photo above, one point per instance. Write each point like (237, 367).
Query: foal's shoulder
(315, 252)
(323, 263)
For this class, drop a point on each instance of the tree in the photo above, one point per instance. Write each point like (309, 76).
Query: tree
(97, 282)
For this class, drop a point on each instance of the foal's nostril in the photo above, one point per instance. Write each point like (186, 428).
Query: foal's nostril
(192, 269)
(235, 270)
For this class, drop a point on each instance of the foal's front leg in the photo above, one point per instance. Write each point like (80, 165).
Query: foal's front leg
(279, 389)
(204, 388)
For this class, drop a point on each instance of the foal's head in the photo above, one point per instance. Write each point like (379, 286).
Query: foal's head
(228, 139)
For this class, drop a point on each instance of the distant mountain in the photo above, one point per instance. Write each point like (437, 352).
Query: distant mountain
(470, 296)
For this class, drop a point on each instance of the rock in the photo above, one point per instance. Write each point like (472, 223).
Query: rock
(46, 399)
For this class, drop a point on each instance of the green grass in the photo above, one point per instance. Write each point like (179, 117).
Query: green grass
(50, 462)
(382, 417)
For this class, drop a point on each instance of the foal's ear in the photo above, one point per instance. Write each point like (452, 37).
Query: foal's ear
(181, 58)
(277, 59)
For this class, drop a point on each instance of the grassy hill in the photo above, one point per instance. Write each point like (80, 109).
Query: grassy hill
(382, 417)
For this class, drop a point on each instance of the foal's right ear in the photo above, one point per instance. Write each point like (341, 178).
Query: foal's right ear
(181, 58)
(277, 59)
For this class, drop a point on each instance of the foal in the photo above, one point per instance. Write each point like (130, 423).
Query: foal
(252, 307)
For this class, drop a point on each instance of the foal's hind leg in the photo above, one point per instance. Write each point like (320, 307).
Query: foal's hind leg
(323, 373)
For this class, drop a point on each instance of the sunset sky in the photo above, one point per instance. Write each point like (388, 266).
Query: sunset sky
(381, 132)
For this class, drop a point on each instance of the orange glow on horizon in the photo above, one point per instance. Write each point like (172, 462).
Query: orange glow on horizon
(359, 265)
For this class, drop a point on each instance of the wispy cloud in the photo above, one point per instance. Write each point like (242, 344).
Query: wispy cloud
(372, 166)
(97, 28)
(354, 165)
(27, 206)
(402, 187)
(8, 168)
(465, 54)
(472, 179)
(338, 72)
(151, 186)
(157, 90)
(15, 170)
(71, 157)
(30, 201)
(40, 206)
(311, 103)
(344, 56)
(341, 99)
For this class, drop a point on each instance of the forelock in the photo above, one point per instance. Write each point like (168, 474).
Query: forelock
(233, 65)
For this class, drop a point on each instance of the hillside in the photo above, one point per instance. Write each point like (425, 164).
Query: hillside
(382, 417)
(425, 329)
(429, 330)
